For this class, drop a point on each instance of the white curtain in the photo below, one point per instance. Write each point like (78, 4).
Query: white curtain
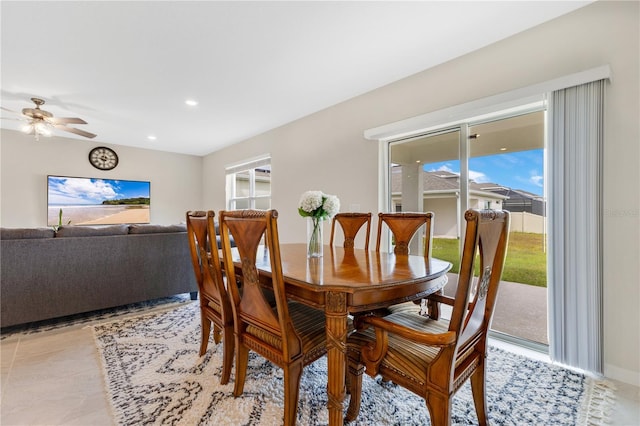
(575, 228)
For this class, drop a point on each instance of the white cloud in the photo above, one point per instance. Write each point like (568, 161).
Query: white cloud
(444, 168)
(80, 191)
(478, 177)
(536, 180)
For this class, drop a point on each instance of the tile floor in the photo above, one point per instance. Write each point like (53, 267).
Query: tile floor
(53, 378)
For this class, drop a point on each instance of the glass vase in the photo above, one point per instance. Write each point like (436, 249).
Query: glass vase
(314, 237)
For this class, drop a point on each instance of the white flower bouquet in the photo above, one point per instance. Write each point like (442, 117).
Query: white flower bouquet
(317, 206)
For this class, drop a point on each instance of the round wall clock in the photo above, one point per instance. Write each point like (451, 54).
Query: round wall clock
(103, 158)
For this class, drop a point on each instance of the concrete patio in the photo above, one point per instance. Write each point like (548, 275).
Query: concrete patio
(521, 310)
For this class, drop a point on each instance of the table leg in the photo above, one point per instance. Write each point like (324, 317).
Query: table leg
(433, 307)
(336, 317)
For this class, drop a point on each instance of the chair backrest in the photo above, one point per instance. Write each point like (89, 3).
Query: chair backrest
(485, 240)
(251, 307)
(403, 226)
(351, 224)
(205, 258)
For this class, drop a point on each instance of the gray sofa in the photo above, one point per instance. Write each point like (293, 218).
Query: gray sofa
(45, 274)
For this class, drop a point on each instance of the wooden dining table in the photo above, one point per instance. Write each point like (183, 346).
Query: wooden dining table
(348, 281)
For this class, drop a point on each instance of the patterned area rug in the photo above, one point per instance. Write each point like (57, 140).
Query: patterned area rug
(153, 375)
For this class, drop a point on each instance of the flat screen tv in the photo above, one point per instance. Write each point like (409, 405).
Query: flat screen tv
(94, 201)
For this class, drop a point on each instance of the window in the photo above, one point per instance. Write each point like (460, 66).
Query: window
(249, 185)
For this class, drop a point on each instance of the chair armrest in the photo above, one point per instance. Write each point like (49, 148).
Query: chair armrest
(441, 298)
(440, 339)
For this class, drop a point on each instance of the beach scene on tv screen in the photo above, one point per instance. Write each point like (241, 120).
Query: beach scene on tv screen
(93, 201)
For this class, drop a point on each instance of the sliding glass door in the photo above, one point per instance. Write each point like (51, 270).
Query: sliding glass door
(423, 178)
(495, 163)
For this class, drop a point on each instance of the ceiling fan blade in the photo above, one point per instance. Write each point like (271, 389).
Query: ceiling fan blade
(73, 130)
(9, 110)
(65, 120)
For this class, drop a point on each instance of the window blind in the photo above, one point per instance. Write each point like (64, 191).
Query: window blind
(575, 230)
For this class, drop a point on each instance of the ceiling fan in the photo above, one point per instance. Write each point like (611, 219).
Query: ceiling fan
(41, 122)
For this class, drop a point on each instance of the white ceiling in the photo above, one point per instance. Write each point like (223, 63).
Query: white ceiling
(128, 67)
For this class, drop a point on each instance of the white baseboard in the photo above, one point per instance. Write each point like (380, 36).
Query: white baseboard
(622, 375)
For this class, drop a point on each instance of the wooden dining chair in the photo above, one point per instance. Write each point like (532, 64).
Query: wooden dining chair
(215, 304)
(403, 227)
(289, 334)
(351, 223)
(434, 358)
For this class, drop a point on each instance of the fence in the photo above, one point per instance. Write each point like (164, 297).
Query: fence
(528, 222)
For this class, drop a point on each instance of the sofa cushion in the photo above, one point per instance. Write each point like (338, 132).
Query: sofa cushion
(92, 231)
(25, 233)
(156, 229)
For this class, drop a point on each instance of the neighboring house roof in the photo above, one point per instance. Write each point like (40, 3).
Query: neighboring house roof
(443, 182)
(446, 184)
(512, 193)
(518, 200)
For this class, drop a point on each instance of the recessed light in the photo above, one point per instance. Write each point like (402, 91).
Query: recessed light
(152, 137)
(503, 149)
(191, 102)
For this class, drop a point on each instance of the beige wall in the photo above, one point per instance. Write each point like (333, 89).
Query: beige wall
(445, 216)
(327, 150)
(176, 179)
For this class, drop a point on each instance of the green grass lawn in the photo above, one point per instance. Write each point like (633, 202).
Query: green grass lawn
(526, 257)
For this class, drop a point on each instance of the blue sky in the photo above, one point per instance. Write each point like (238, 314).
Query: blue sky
(517, 170)
(78, 191)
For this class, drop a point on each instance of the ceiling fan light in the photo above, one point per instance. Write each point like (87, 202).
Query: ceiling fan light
(27, 128)
(42, 128)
